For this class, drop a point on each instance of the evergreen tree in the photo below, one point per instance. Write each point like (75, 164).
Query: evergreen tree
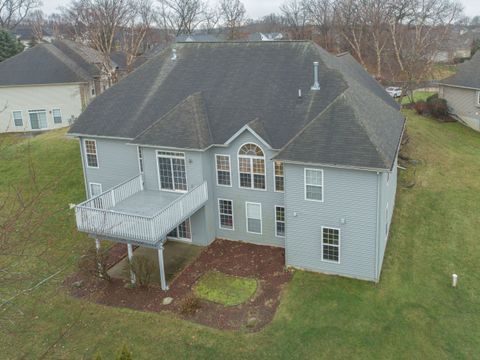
(9, 46)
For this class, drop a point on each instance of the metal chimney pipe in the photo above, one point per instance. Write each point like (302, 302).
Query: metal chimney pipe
(316, 84)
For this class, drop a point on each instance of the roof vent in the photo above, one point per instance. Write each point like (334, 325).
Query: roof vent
(174, 54)
(299, 93)
(316, 85)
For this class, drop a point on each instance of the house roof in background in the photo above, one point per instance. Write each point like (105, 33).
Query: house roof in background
(197, 38)
(468, 74)
(25, 32)
(212, 90)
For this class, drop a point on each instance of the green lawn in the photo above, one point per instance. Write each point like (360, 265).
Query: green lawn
(412, 313)
(225, 289)
(417, 96)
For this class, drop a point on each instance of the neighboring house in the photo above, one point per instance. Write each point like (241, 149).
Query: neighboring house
(242, 141)
(457, 46)
(119, 58)
(197, 38)
(462, 92)
(25, 34)
(48, 86)
(259, 36)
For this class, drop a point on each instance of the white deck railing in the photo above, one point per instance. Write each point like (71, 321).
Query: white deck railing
(94, 217)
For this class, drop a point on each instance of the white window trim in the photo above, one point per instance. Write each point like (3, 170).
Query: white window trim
(275, 218)
(246, 218)
(182, 239)
(219, 218)
(251, 167)
(13, 119)
(140, 161)
(305, 184)
(85, 153)
(172, 157)
(275, 179)
(90, 188)
(230, 167)
(36, 112)
(339, 244)
(61, 116)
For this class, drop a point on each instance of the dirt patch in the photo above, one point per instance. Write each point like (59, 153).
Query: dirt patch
(264, 263)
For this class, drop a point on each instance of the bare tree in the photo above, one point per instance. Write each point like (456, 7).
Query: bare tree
(12, 12)
(212, 17)
(233, 15)
(296, 19)
(321, 14)
(351, 27)
(181, 16)
(36, 21)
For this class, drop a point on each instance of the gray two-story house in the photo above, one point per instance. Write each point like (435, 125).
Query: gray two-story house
(272, 143)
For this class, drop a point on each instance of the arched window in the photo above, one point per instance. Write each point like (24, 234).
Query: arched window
(251, 167)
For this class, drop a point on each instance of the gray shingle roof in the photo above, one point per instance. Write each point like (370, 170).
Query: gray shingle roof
(468, 74)
(59, 62)
(221, 87)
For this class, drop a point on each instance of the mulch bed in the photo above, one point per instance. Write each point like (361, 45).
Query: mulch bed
(264, 263)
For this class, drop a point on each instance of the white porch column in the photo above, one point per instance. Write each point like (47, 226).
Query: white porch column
(133, 280)
(163, 281)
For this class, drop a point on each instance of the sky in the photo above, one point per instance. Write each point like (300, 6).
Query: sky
(259, 8)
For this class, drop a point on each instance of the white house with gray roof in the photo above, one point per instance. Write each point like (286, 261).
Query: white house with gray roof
(273, 143)
(48, 86)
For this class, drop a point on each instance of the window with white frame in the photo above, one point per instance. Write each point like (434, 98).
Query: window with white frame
(95, 189)
(279, 221)
(254, 217)
(224, 174)
(91, 153)
(331, 244)
(279, 177)
(171, 171)
(38, 119)
(314, 184)
(251, 167)
(225, 214)
(17, 118)
(182, 232)
(57, 116)
(140, 159)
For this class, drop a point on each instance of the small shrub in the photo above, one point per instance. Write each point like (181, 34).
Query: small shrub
(190, 305)
(125, 354)
(437, 107)
(421, 107)
(143, 269)
(95, 263)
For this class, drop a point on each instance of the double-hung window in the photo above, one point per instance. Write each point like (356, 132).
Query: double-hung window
(182, 232)
(254, 217)
(17, 118)
(225, 214)
(314, 184)
(91, 153)
(331, 244)
(251, 167)
(279, 221)
(224, 175)
(279, 177)
(57, 116)
(38, 119)
(171, 171)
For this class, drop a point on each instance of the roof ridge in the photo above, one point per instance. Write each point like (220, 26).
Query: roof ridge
(68, 62)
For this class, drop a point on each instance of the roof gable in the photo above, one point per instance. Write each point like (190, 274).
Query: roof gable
(468, 74)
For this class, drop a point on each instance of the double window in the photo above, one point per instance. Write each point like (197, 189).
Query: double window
(91, 153)
(57, 116)
(38, 119)
(182, 232)
(279, 177)
(280, 221)
(254, 217)
(314, 184)
(224, 174)
(17, 118)
(331, 244)
(225, 214)
(251, 167)
(171, 171)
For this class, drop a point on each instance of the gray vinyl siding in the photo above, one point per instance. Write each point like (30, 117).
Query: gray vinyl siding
(348, 194)
(462, 103)
(239, 196)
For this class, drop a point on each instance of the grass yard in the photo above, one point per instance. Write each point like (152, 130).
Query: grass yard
(417, 96)
(412, 313)
(225, 289)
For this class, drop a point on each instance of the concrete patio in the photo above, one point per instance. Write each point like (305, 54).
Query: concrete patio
(177, 256)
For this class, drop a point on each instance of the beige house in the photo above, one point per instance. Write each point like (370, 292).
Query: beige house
(47, 87)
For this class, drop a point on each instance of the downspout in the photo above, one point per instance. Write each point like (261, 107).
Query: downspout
(377, 237)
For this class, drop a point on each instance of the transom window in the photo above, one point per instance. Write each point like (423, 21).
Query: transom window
(38, 119)
(224, 176)
(91, 153)
(254, 217)
(251, 167)
(279, 181)
(225, 214)
(314, 184)
(17, 118)
(57, 116)
(279, 221)
(331, 244)
(182, 232)
(171, 171)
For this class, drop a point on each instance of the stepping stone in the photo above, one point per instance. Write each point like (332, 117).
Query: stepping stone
(167, 301)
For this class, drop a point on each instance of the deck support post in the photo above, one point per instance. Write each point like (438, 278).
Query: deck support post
(99, 264)
(133, 279)
(161, 266)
